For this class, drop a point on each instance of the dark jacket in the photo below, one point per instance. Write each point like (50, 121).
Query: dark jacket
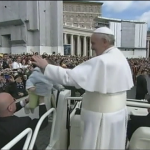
(5, 65)
(11, 126)
(141, 87)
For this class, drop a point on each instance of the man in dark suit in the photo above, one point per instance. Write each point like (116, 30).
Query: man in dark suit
(141, 86)
(5, 64)
(11, 125)
(138, 121)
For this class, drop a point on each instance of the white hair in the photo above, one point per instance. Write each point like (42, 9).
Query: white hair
(108, 37)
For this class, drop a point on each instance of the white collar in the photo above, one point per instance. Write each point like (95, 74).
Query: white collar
(107, 50)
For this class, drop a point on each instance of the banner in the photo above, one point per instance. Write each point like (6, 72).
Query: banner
(67, 49)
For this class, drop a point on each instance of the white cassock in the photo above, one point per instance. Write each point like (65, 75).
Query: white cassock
(106, 78)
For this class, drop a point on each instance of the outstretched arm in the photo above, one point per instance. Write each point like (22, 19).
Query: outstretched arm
(55, 73)
(59, 75)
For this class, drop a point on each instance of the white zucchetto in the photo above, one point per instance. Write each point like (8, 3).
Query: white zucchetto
(104, 30)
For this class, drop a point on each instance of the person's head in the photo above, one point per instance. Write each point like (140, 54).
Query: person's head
(18, 78)
(23, 62)
(9, 61)
(102, 39)
(7, 105)
(50, 61)
(18, 59)
(144, 72)
(29, 62)
(5, 57)
(11, 79)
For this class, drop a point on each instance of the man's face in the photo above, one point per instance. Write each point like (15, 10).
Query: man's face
(97, 44)
(19, 59)
(5, 57)
(12, 105)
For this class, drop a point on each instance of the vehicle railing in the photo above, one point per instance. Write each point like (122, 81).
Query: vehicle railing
(74, 110)
(138, 104)
(14, 141)
(39, 125)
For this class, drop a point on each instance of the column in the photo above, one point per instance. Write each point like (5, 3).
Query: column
(84, 46)
(72, 45)
(65, 38)
(78, 45)
(90, 47)
(54, 10)
(148, 47)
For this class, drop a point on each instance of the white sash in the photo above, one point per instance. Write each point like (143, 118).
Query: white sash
(104, 103)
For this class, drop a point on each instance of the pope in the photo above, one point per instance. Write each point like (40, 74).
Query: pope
(106, 79)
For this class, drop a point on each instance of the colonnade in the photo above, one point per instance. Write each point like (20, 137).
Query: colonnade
(80, 45)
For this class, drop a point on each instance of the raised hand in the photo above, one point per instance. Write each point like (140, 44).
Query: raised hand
(39, 61)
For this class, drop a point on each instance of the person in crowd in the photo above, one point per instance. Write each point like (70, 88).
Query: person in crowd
(11, 125)
(16, 87)
(107, 73)
(136, 64)
(10, 63)
(5, 61)
(62, 64)
(3, 84)
(24, 64)
(141, 85)
(17, 64)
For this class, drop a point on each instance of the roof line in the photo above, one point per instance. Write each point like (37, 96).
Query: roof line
(120, 20)
(85, 2)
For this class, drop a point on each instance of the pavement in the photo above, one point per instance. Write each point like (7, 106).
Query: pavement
(43, 137)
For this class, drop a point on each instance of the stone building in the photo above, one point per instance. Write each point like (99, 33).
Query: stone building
(36, 25)
(130, 35)
(78, 21)
(80, 13)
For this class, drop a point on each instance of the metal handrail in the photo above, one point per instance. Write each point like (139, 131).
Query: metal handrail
(39, 125)
(137, 104)
(27, 132)
(74, 110)
(74, 98)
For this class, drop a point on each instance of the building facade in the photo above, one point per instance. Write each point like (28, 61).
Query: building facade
(130, 36)
(148, 44)
(81, 18)
(35, 25)
(78, 22)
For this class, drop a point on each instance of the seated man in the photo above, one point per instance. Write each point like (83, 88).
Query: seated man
(136, 122)
(11, 125)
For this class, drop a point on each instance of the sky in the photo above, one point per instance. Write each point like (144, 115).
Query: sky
(130, 10)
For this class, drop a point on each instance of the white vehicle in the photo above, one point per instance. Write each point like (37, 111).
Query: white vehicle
(65, 131)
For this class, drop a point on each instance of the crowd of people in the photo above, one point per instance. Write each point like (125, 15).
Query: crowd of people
(15, 69)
